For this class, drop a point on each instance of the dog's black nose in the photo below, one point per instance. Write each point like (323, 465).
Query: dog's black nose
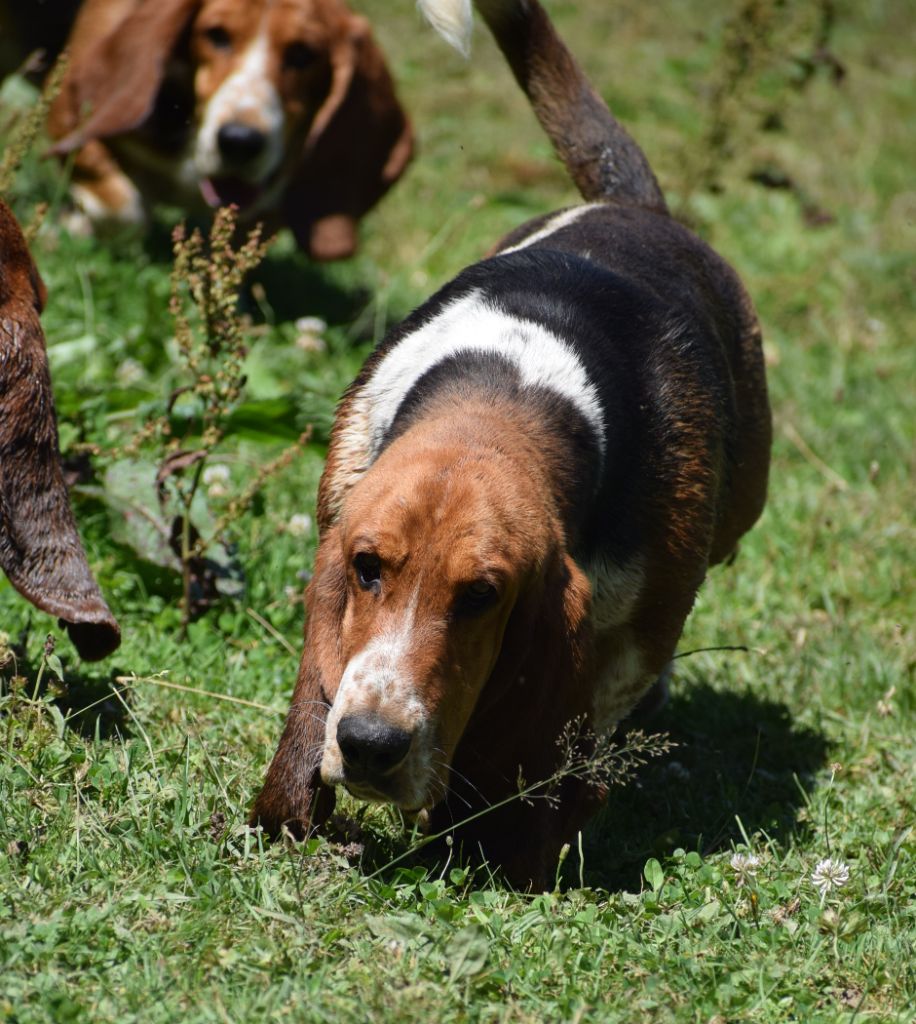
(370, 745)
(239, 143)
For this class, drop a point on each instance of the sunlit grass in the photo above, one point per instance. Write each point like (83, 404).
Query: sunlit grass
(130, 888)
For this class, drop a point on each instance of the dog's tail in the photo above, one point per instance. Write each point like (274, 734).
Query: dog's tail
(601, 157)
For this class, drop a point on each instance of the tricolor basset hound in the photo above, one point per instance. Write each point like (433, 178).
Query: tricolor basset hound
(40, 550)
(283, 107)
(525, 487)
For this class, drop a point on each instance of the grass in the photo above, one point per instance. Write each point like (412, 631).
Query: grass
(130, 888)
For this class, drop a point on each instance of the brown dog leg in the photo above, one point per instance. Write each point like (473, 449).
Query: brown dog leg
(293, 795)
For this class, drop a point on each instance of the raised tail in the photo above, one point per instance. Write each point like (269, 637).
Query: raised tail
(603, 160)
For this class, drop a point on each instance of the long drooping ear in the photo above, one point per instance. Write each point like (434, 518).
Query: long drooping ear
(541, 685)
(293, 794)
(547, 649)
(357, 147)
(40, 549)
(561, 667)
(116, 71)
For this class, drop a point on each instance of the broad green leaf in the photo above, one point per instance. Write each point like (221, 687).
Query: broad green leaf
(269, 418)
(135, 517)
(398, 927)
(467, 952)
(654, 874)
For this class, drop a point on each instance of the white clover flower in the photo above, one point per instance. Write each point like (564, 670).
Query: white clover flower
(885, 706)
(311, 325)
(745, 867)
(310, 330)
(128, 372)
(215, 478)
(299, 525)
(216, 474)
(829, 874)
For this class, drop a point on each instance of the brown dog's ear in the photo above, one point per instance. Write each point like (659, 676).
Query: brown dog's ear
(293, 794)
(542, 683)
(569, 681)
(548, 648)
(40, 549)
(117, 77)
(357, 147)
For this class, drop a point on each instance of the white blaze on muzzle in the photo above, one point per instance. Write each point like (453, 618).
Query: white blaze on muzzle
(247, 96)
(379, 680)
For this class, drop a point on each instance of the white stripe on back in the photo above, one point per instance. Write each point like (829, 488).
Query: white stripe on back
(555, 223)
(470, 324)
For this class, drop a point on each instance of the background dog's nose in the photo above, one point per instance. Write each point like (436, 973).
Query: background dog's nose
(371, 745)
(239, 142)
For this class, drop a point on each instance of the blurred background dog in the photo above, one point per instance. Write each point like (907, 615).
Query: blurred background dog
(285, 109)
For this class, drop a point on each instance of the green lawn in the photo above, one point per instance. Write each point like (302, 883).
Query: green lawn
(130, 887)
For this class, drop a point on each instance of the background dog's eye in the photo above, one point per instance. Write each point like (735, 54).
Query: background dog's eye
(476, 597)
(298, 56)
(218, 36)
(368, 571)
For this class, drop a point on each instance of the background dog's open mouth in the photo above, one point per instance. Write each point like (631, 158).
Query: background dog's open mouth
(225, 191)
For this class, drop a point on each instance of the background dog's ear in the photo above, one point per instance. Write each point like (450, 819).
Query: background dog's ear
(116, 79)
(357, 147)
(40, 549)
(293, 794)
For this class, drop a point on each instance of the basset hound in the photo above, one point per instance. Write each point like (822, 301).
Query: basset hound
(525, 487)
(283, 107)
(40, 549)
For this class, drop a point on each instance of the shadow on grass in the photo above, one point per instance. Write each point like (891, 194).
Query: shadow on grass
(294, 286)
(91, 702)
(94, 705)
(737, 757)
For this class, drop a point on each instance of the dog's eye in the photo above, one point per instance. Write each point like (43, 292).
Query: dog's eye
(476, 597)
(368, 571)
(298, 56)
(218, 37)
